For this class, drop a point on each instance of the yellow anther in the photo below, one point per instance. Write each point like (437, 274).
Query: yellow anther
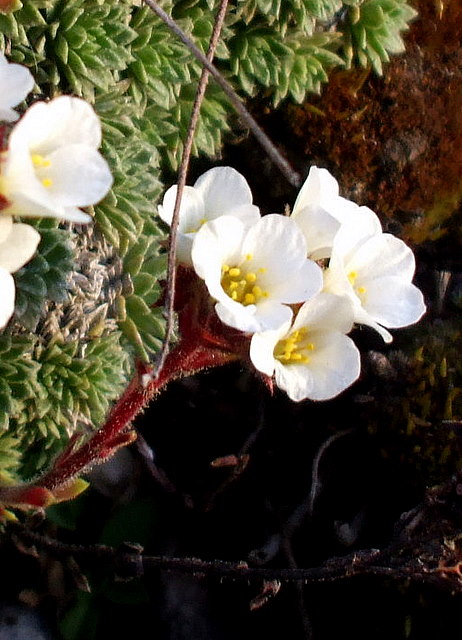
(39, 161)
(262, 270)
(352, 276)
(240, 284)
(47, 182)
(249, 256)
(293, 349)
(361, 290)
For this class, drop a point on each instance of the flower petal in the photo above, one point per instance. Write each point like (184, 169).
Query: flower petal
(16, 82)
(64, 120)
(6, 224)
(79, 175)
(383, 255)
(216, 243)
(276, 245)
(262, 348)
(19, 247)
(393, 302)
(252, 318)
(327, 313)
(320, 186)
(334, 365)
(305, 284)
(7, 295)
(222, 189)
(191, 208)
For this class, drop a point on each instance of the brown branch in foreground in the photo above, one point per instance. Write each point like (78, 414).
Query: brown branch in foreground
(182, 175)
(427, 562)
(292, 176)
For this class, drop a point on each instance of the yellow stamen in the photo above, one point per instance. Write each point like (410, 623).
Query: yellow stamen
(47, 182)
(39, 161)
(240, 285)
(249, 256)
(352, 276)
(361, 290)
(293, 349)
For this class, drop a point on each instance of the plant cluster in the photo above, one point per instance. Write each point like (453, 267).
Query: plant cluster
(92, 291)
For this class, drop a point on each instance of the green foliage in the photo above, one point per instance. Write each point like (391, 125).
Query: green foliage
(45, 277)
(18, 377)
(75, 383)
(375, 30)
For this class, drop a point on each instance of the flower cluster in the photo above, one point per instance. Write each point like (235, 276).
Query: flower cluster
(296, 284)
(49, 166)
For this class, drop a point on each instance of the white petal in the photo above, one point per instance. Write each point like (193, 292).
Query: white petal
(7, 294)
(62, 121)
(8, 115)
(302, 285)
(16, 82)
(253, 318)
(319, 186)
(217, 242)
(79, 174)
(262, 348)
(191, 208)
(382, 256)
(393, 302)
(295, 380)
(222, 189)
(357, 228)
(319, 229)
(278, 246)
(6, 224)
(334, 365)
(327, 313)
(19, 247)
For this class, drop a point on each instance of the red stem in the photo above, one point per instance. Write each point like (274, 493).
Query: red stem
(185, 359)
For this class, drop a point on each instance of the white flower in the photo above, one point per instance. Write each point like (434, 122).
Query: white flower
(52, 166)
(255, 272)
(219, 191)
(18, 243)
(313, 358)
(375, 271)
(16, 82)
(320, 212)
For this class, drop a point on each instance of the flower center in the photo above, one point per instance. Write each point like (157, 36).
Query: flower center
(242, 285)
(295, 348)
(41, 163)
(360, 291)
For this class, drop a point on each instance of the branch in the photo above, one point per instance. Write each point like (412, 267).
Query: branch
(292, 176)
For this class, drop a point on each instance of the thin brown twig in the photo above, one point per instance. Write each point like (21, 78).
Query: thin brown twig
(291, 175)
(419, 564)
(182, 175)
